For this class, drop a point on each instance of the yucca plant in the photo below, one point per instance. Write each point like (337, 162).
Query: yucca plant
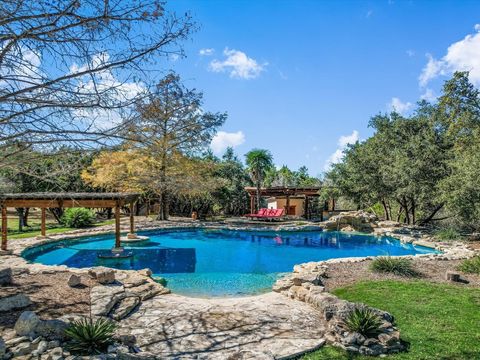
(397, 266)
(89, 337)
(471, 266)
(364, 321)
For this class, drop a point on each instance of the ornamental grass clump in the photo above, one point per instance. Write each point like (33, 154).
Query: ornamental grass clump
(448, 234)
(89, 337)
(396, 266)
(471, 266)
(78, 217)
(364, 321)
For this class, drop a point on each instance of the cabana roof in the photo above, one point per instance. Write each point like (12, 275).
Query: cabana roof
(284, 191)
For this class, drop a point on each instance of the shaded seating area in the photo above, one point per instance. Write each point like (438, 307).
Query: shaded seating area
(46, 201)
(267, 214)
(293, 201)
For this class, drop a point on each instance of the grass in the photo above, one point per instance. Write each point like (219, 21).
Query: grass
(448, 234)
(397, 266)
(471, 266)
(34, 228)
(441, 322)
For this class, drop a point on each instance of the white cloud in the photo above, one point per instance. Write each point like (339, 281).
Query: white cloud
(410, 53)
(206, 52)
(428, 95)
(24, 69)
(463, 55)
(399, 106)
(433, 69)
(224, 139)
(106, 83)
(238, 64)
(343, 142)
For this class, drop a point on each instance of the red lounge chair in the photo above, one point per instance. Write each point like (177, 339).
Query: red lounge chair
(261, 213)
(274, 214)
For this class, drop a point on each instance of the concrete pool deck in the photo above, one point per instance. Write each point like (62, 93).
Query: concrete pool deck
(268, 326)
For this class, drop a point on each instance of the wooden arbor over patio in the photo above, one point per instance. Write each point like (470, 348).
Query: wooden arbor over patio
(283, 191)
(68, 200)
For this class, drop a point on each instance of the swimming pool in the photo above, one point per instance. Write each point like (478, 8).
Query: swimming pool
(208, 262)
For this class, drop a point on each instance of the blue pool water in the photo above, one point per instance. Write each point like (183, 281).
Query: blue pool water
(221, 262)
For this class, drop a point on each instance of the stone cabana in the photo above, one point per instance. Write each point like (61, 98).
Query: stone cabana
(65, 200)
(295, 200)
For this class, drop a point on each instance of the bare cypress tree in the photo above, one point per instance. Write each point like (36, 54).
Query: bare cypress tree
(71, 70)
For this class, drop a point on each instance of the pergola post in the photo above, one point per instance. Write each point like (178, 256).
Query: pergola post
(287, 205)
(117, 226)
(4, 228)
(306, 212)
(43, 226)
(252, 204)
(131, 234)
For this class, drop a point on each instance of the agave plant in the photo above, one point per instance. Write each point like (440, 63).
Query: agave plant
(364, 321)
(397, 266)
(90, 337)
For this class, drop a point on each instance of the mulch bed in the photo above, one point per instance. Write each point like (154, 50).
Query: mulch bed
(50, 294)
(344, 274)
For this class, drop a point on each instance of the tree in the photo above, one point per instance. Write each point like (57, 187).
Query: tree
(231, 195)
(168, 133)
(458, 114)
(57, 171)
(422, 165)
(259, 161)
(70, 71)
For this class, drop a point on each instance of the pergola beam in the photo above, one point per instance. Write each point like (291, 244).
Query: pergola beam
(67, 200)
(285, 191)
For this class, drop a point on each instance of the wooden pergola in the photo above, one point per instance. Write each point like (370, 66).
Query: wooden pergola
(68, 200)
(287, 192)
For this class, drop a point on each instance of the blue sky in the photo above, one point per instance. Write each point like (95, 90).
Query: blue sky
(303, 78)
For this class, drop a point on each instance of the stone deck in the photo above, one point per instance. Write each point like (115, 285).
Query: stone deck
(268, 326)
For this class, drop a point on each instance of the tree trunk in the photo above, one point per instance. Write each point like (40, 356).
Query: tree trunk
(25, 216)
(432, 214)
(57, 213)
(385, 210)
(20, 219)
(399, 214)
(407, 214)
(259, 185)
(413, 212)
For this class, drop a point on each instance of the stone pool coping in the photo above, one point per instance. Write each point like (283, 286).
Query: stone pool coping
(449, 250)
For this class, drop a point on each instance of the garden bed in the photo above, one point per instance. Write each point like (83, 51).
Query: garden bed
(347, 273)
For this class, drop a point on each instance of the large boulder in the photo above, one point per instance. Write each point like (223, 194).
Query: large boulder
(3, 348)
(103, 275)
(124, 307)
(51, 329)
(27, 323)
(5, 276)
(17, 301)
(104, 298)
(356, 220)
(75, 280)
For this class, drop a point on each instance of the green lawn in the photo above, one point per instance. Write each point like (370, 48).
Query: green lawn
(439, 321)
(34, 228)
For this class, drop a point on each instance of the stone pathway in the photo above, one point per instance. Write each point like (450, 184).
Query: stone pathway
(268, 326)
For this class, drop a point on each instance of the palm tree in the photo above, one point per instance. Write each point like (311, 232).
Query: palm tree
(258, 162)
